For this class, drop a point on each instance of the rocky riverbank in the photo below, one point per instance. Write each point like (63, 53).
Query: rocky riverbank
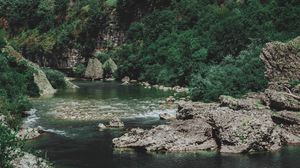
(258, 122)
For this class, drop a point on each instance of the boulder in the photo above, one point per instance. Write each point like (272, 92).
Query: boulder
(101, 126)
(126, 79)
(116, 123)
(94, 69)
(167, 116)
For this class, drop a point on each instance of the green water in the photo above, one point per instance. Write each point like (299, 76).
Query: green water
(79, 144)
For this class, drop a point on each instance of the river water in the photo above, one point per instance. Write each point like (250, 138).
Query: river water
(79, 144)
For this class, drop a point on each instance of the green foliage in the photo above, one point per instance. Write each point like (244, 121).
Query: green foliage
(233, 76)
(56, 78)
(111, 3)
(205, 45)
(2, 39)
(109, 67)
(79, 70)
(9, 147)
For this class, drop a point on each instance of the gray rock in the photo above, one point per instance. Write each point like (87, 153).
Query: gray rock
(186, 135)
(116, 123)
(282, 100)
(126, 79)
(101, 126)
(94, 69)
(167, 116)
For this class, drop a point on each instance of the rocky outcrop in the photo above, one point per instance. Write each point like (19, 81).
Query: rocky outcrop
(94, 69)
(282, 61)
(210, 127)
(178, 136)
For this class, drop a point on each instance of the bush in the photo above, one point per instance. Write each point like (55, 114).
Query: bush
(79, 70)
(9, 147)
(234, 77)
(56, 78)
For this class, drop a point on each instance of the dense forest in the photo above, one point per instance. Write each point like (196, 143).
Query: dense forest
(211, 46)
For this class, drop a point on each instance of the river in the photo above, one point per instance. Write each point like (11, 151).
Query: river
(77, 143)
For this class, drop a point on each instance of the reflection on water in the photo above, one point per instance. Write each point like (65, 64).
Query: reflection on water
(83, 146)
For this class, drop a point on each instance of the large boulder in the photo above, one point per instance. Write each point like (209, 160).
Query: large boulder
(282, 61)
(94, 69)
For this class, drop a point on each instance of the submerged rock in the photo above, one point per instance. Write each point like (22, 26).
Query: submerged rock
(116, 123)
(94, 69)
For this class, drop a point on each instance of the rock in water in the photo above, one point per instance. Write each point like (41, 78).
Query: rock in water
(167, 116)
(94, 69)
(125, 79)
(116, 123)
(101, 126)
(186, 135)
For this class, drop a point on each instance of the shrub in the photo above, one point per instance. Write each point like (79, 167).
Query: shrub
(9, 147)
(79, 69)
(56, 78)
(234, 77)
